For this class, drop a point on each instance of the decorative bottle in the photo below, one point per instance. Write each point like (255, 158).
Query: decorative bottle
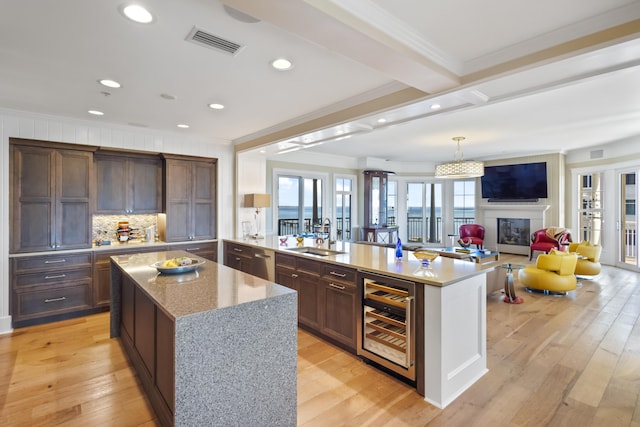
(399, 250)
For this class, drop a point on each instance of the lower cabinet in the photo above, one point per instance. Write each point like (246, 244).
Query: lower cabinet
(339, 304)
(50, 287)
(327, 296)
(148, 337)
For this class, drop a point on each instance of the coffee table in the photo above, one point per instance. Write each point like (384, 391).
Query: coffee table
(476, 255)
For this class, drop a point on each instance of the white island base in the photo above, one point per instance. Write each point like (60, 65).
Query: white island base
(455, 325)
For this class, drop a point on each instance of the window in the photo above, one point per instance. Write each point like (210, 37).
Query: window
(464, 203)
(344, 190)
(299, 204)
(424, 212)
(392, 202)
(591, 213)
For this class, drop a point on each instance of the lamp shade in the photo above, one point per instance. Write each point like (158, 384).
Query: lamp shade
(460, 169)
(257, 200)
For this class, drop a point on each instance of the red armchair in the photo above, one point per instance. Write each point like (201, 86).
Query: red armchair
(475, 232)
(542, 240)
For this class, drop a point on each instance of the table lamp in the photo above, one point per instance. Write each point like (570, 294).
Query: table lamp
(257, 201)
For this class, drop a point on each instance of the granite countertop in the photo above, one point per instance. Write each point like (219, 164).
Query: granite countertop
(378, 259)
(211, 286)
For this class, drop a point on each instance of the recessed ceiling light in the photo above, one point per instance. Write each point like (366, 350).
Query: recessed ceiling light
(183, 126)
(96, 112)
(137, 13)
(435, 106)
(382, 120)
(109, 83)
(216, 106)
(282, 64)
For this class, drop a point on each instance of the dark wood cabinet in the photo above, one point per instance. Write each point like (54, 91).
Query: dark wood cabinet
(148, 337)
(128, 183)
(50, 287)
(206, 250)
(327, 296)
(238, 256)
(50, 197)
(339, 304)
(189, 199)
(303, 276)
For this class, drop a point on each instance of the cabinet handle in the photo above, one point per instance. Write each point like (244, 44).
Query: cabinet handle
(237, 249)
(55, 299)
(57, 276)
(333, 285)
(262, 256)
(294, 275)
(333, 273)
(237, 259)
(193, 249)
(55, 261)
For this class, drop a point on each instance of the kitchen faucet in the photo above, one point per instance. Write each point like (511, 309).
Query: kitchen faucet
(325, 228)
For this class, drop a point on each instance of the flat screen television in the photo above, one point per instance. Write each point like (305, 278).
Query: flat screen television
(527, 181)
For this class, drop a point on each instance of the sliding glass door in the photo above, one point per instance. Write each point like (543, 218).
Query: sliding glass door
(424, 212)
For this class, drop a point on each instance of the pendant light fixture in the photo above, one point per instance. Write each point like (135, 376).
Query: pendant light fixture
(460, 168)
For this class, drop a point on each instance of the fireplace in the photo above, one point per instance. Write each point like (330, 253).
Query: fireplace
(514, 231)
(521, 219)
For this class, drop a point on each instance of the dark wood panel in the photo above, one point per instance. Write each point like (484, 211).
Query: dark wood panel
(165, 354)
(127, 303)
(339, 312)
(144, 329)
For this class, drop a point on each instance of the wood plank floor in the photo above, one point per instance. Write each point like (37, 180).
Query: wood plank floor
(556, 361)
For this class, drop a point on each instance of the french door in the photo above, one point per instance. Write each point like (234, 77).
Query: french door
(628, 220)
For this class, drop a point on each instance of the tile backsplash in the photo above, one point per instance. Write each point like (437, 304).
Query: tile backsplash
(109, 224)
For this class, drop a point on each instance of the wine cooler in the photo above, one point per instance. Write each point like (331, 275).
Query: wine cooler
(386, 334)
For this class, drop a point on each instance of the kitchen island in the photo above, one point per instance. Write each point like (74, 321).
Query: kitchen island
(213, 346)
(450, 336)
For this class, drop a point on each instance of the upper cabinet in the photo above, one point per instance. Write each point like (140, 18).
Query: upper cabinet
(128, 183)
(190, 199)
(50, 196)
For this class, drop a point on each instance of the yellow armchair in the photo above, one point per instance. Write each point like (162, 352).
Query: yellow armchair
(590, 264)
(553, 272)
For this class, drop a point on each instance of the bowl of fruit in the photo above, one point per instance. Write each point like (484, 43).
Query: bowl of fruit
(177, 265)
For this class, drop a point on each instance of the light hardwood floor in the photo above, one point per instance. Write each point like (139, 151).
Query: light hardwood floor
(558, 361)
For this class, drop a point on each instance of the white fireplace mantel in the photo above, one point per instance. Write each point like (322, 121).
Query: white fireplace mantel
(491, 212)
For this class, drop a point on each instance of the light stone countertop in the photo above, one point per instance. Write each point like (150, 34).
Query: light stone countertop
(378, 259)
(114, 246)
(211, 286)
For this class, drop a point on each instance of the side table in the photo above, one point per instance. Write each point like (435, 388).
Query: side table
(509, 290)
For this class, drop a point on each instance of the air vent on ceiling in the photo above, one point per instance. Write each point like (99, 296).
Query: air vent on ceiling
(596, 154)
(213, 42)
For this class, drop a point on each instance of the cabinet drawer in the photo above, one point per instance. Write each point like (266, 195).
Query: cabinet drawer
(48, 262)
(53, 277)
(288, 261)
(240, 250)
(309, 266)
(53, 301)
(342, 274)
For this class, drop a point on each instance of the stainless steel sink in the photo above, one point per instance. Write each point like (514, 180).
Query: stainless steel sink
(314, 251)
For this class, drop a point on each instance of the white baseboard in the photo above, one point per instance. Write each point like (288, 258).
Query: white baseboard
(5, 325)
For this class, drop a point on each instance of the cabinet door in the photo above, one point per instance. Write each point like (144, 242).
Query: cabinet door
(73, 199)
(178, 191)
(126, 306)
(145, 186)
(33, 199)
(338, 307)
(111, 185)
(308, 295)
(204, 201)
(144, 329)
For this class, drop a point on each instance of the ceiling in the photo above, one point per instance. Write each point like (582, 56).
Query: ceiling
(515, 78)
